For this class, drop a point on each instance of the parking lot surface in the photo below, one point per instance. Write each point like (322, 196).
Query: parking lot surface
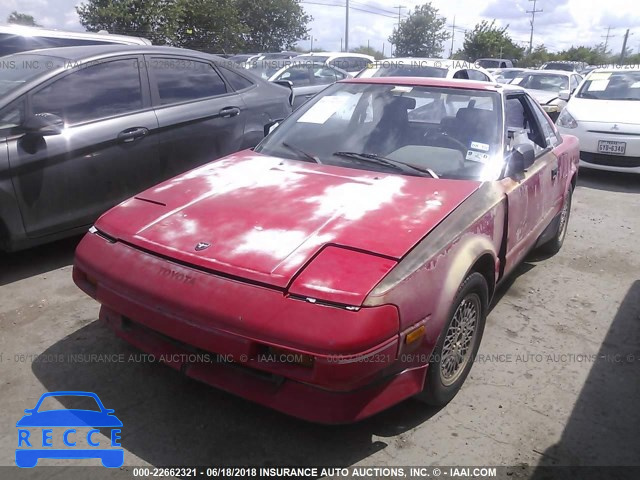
(556, 381)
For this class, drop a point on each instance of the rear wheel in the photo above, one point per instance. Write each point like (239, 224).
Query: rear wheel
(458, 344)
(555, 243)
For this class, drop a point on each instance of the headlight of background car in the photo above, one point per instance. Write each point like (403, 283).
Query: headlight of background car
(565, 120)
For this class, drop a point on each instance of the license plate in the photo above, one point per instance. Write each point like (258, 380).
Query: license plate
(613, 148)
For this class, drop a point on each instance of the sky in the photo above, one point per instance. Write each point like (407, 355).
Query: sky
(561, 24)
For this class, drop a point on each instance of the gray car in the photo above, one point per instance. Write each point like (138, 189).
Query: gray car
(307, 77)
(83, 128)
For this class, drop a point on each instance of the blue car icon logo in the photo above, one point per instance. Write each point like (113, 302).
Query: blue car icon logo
(68, 433)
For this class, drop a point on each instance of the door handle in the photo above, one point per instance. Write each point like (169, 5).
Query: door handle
(132, 134)
(228, 112)
(554, 173)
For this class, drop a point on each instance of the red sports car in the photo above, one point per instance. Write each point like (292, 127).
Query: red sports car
(348, 261)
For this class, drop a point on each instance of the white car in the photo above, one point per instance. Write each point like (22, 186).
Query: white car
(19, 38)
(426, 67)
(349, 62)
(551, 88)
(604, 114)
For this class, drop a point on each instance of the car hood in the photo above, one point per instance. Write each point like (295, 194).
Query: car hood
(543, 96)
(604, 111)
(263, 218)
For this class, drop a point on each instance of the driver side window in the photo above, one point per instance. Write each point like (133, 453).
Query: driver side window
(298, 75)
(11, 116)
(522, 125)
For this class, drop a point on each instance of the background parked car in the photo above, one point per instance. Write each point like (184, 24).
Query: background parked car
(349, 62)
(16, 38)
(94, 125)
(551, 88)
(426, 67)
(494, 63)
(307, 77)
(604, 115)
(505, 75)
(566, 66)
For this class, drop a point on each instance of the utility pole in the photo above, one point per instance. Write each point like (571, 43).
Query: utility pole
(532, 21)
(606, 39)
(346, 29)
(399, 7)
(453, 35)
(624, 46)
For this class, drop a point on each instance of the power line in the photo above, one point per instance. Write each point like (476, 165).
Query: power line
(533, 19)
(351, 7)
(370, 6)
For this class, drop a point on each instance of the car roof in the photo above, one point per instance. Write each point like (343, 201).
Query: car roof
(335, 54)
(78, 53)
(432, 82)
(52, 33)
(550, 71)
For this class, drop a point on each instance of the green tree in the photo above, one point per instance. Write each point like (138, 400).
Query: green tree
(377, 54)
(207, 25)
(422, 34)
(272, 25)
(539, 55)
(141, 18)
(18, 18)
(487, 40)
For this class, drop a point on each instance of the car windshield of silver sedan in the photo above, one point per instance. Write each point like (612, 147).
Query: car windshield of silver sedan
(546, 82)
(611, 86)
(410, 130)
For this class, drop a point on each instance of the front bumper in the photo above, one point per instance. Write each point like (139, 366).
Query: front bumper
(354, 372)
(590, 133)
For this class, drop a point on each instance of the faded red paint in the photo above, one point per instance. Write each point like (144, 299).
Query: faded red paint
(335, 263)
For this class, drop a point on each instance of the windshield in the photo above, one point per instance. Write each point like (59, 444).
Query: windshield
(16, 70)
(312, 58)
(424, 131)
(611, 86)
(265, 69)
(489, 63)
(549, 83)
(567, 67)
(509, 74)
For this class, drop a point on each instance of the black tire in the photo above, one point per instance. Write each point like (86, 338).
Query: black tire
(442, 384)
(554, 245)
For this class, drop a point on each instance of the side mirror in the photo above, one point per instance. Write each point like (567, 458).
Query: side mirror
(564, 95)
(284, 83)
(522, 157)
(271, 126)
(43, 124)
(289, 85)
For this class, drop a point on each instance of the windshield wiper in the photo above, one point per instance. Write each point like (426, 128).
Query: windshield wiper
(299, 151)
(388, 162)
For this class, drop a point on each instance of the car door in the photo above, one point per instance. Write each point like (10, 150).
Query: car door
(105, 153)
(559, 161)
(201, 118)
(528, 192)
